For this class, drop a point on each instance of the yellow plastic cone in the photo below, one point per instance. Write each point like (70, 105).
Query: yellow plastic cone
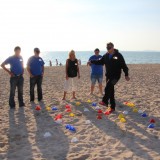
(123, 120)
(78, 103)
(135, 110)
(130, 104)
(48, 108)
(121, 116)
(71, 114)
(89, 101)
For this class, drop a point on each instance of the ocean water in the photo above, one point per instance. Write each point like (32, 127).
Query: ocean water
(131, 57)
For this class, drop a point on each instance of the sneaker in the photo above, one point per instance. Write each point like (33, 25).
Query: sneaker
(102, 103)
(109, 111)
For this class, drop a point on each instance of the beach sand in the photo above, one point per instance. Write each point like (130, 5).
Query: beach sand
(22, 131)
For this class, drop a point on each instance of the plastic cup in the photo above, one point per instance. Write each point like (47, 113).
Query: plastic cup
(38, 108)
(54, 108)
(144, 115)
(94, 104)
(123, 120)
(140, 111)
(74, 140)
(125, 112)
(121, 116)
(151, 125)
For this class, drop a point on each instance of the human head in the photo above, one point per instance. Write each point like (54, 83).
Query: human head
(72, 54)
(96, 51)
(17, 51)
(36, 51)
(110, 47)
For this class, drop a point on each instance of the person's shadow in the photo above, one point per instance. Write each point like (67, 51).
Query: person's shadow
(54, 147)
(131, 141)
(19, 145)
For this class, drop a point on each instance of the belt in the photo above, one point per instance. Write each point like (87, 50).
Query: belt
(19, 75)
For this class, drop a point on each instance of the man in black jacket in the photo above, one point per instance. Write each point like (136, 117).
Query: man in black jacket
(114, 63)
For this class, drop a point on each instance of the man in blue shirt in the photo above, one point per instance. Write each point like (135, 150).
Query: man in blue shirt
(16, 76)
(96, 71)
(35, 67)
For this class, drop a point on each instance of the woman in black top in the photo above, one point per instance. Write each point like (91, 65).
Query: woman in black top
(72, 71)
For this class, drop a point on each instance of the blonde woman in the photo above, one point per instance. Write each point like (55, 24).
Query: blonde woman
(72, 72)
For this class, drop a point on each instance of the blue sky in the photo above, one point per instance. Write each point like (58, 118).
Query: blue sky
(79, 24)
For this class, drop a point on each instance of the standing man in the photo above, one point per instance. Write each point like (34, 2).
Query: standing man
(56, 62)
(114, 63)
(35, 67)
(16, 76)
(96, 72)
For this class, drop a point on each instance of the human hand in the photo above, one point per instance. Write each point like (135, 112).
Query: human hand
(11, 74)
(31, 75)
(88, 63)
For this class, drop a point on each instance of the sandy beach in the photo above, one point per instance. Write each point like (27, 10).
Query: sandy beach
(22, 131)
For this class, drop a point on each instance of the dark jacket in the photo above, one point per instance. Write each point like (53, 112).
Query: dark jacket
(113, 65)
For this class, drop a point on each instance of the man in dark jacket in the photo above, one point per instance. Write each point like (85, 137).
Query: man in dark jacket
(114, 63)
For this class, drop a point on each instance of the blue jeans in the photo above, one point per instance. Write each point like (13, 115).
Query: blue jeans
(95, 78)
(36, 80)
(16, 81)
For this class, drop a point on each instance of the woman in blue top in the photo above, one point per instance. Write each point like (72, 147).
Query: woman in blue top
(96, 72)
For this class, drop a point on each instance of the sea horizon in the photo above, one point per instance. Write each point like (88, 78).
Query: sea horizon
(131, 57)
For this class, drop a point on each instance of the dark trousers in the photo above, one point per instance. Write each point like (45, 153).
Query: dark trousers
(109, 92)
(37, 80)
(16, 81)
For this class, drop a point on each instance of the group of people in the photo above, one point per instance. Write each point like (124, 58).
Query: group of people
(35, 68)
(113, 61)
